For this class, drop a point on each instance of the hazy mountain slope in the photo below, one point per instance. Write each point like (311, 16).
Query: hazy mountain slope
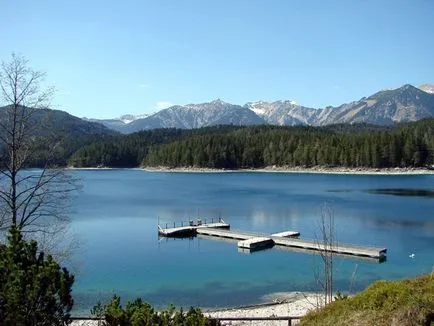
(113, 124)
(56, 135)
(46, 122)
(119, 124)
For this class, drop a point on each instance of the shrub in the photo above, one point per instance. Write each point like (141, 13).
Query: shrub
(139, 313)
(34, 289)
(406, 302)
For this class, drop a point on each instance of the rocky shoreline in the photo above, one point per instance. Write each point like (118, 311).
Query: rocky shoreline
(291, 169)
(283, 304)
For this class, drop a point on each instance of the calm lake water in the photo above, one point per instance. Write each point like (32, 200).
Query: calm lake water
(116, 214)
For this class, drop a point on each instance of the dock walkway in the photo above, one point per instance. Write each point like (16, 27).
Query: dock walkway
(340, 248)
(191, 227)
(255, 241)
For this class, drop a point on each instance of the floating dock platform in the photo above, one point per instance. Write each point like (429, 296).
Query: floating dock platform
(217, 228)
(190, 228)
(257, 243)
(293, 242)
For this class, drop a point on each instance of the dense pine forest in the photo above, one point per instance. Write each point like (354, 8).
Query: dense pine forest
(234, 147)
(126, 151)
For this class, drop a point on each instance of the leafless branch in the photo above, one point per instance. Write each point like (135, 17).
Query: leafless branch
(33, 201)
(326, 242)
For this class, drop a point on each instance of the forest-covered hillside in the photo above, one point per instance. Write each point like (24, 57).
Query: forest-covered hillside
(126, 151)
(52, 136)
(232, 147)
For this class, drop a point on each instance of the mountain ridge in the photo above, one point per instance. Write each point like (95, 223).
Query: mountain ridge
(385, 107)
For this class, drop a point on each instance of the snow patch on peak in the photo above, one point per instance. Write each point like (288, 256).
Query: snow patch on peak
(258, 111)
(285, 102)
(259, 107)
(257, 103)
(388, 89)
(428, 88)
(128, 118)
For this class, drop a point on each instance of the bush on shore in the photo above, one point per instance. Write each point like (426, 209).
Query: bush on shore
(34, 289)
(405, 302)
(139, 313)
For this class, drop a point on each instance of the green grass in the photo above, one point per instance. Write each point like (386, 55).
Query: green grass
(406, 302)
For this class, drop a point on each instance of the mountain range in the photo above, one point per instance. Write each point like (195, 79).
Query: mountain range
(386, 107)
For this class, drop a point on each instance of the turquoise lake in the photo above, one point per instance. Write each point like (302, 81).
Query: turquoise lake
(115, 217)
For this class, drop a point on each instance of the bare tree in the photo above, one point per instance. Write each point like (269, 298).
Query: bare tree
(34, 201)
(326, 242)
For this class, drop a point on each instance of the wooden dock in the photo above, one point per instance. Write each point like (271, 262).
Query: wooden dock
(238, 235)
(190, 228)
(291, 242)
(217, 228)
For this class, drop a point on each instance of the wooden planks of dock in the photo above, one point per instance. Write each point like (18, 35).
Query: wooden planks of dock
(190, 228)
(255, 241)
(340, 248)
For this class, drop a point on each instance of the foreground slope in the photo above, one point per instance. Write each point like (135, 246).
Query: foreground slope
(406, 302)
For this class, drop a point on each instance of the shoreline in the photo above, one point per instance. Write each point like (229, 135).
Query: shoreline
(283, 304)
(274, 169)
(300, 170)
(279, 304)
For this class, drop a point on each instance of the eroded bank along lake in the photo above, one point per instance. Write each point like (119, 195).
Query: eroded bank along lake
(115, 217)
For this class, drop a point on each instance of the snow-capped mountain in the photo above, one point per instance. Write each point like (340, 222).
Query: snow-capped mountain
(197, 116)
(406, 103)
(427, 88)
(283, 113)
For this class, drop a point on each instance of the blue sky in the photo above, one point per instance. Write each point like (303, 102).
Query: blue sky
(107, 58)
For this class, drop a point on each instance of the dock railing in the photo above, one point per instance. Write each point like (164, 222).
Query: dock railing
(191, 222)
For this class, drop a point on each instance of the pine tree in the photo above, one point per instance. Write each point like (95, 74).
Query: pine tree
(34, 289)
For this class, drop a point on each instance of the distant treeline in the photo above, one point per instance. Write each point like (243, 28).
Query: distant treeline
(125, 151)
(234, 147)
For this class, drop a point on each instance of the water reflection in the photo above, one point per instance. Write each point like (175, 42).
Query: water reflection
(402, 192)
(406, 192)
